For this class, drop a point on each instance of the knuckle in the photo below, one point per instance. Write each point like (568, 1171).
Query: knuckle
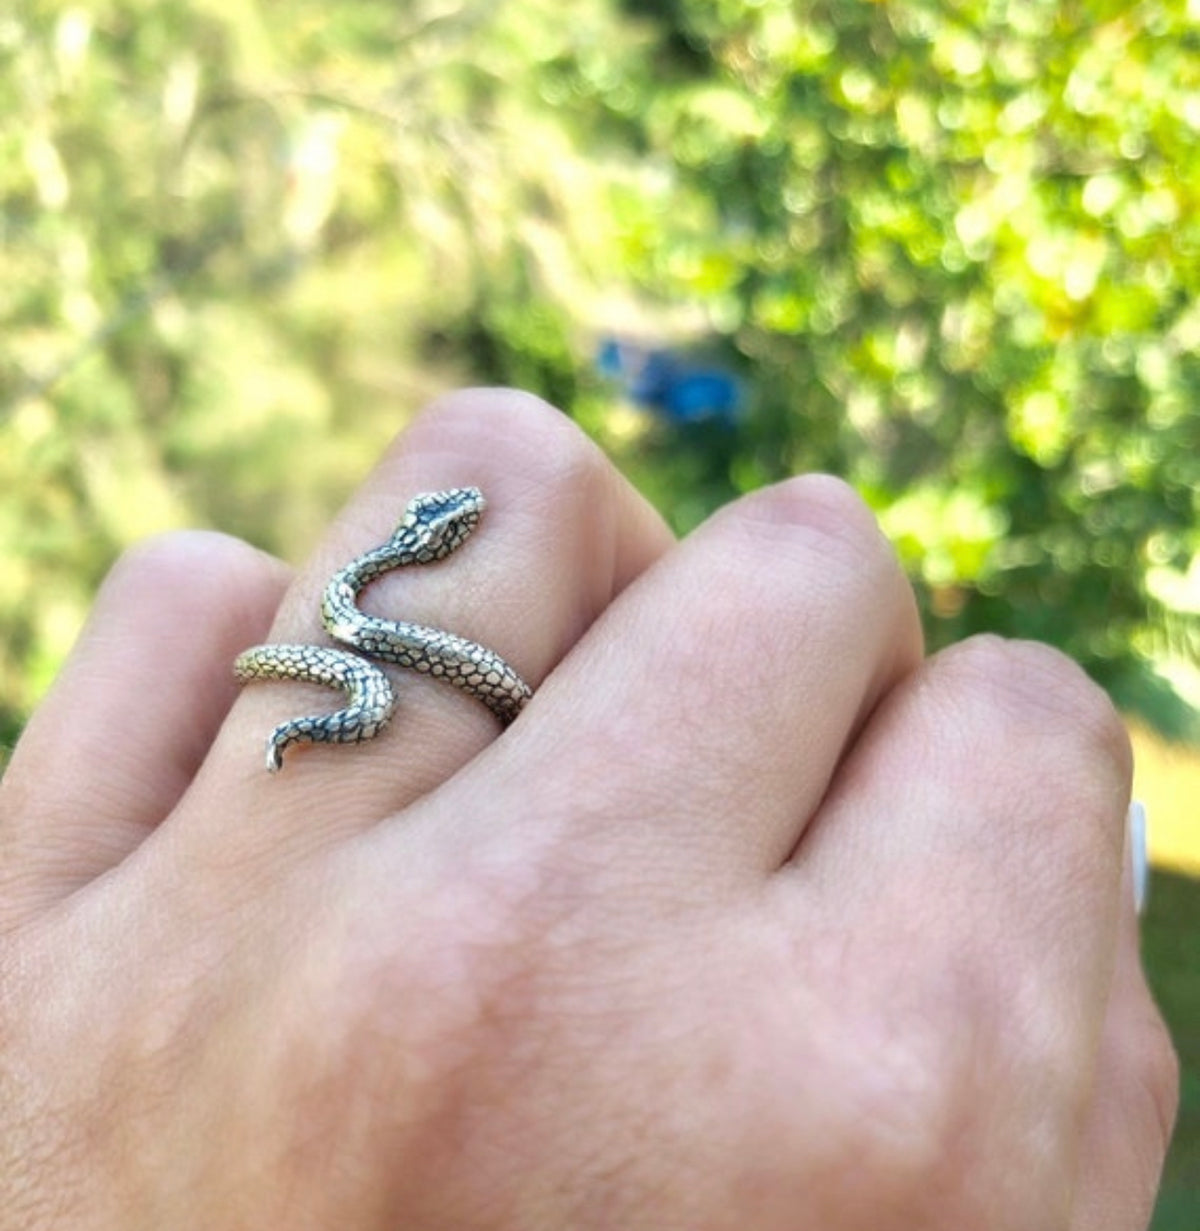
(822, 520)
(155, 555)
(820, 503)
(179, 556)
(572, 466)
(1035, 689)
(1041, 745)
(188, 575)
(541, 447)
(494, 416)
(493, 401)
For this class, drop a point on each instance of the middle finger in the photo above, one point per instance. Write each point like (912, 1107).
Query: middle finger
(700, 721)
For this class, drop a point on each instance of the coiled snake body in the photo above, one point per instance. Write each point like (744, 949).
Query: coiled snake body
(433, 526)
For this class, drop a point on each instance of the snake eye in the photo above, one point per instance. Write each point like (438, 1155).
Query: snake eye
(446, 516)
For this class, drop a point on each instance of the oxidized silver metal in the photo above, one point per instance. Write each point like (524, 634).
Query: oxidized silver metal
(433, 526)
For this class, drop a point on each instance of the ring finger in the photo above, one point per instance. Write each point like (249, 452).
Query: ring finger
(562, 534)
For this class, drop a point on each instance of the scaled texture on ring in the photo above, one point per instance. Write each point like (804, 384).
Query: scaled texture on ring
(434, 525)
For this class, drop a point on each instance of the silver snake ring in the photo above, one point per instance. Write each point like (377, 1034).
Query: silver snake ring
(433, 526)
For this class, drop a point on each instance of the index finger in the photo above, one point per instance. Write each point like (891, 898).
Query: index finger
(563, 532)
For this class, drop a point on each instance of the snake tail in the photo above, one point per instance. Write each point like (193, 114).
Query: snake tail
(371, 700)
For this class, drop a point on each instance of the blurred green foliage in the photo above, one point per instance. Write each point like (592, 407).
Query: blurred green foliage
(952, 249)
(241, 242)
(958, 246)
(1171, 940)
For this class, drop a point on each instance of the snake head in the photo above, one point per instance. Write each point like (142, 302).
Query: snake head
(442, 520)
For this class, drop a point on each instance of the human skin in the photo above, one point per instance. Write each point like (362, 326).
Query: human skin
(755, 918)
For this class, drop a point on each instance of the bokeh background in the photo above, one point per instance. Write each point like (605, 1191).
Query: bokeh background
(949, 249)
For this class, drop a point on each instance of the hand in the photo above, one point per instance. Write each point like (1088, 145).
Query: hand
(753, 919)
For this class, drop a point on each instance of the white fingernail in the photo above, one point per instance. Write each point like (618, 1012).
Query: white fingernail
(1138, 857)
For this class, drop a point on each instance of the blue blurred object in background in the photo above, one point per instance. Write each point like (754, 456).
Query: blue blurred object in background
(680, 388)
